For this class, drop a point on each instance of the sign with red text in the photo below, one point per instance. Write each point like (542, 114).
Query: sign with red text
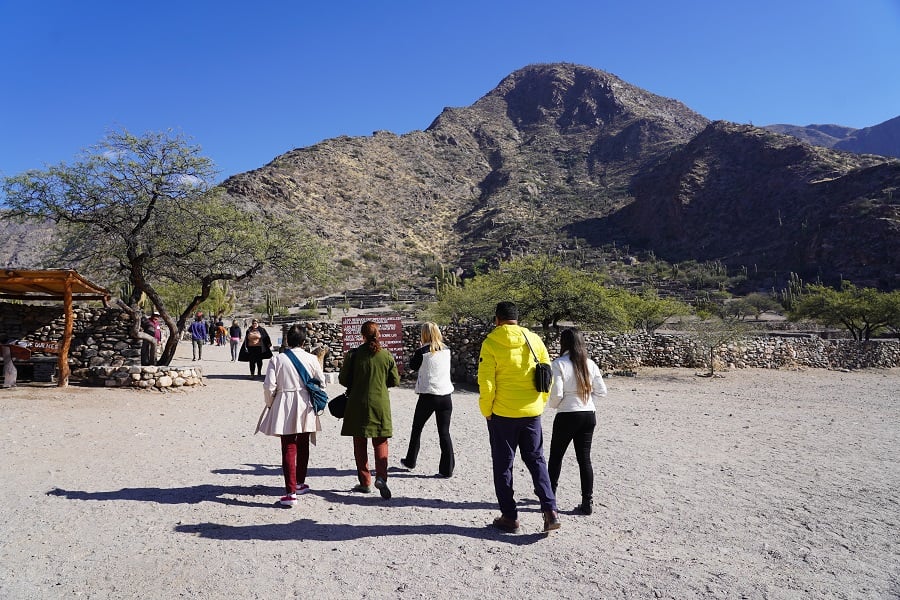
(390, 334)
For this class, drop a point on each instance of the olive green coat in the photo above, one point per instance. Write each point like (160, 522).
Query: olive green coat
(368, 377)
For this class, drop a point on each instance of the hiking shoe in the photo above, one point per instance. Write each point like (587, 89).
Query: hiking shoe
(551, 521)
(506, 525)
(406, 464)
(289, 500)
(585, 508)
(362, 489)
(302, 489)
(382, 486)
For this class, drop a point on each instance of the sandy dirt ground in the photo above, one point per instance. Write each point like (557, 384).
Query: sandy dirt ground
(759, 484)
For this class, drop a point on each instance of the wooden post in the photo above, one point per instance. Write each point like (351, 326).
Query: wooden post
(63, 358)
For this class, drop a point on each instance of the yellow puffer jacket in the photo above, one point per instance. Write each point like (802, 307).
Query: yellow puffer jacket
(506, 373)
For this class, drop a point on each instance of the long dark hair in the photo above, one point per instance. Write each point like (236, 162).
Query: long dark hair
(572, 341)
(369, 331)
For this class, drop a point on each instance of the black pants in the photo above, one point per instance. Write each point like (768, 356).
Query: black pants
(576, 428)
(442, 407)
(254, 353)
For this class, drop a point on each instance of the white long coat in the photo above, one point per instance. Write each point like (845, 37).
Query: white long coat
(288, 399)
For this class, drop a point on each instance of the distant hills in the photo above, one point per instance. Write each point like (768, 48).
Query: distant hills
(883, 139)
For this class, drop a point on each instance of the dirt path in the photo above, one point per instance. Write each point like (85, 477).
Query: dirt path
(762, 484)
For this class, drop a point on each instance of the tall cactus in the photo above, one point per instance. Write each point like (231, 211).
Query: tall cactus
(273, 306)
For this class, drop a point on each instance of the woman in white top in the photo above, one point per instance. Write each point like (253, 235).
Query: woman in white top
(291, 416)
(577, 382)
(433, 385)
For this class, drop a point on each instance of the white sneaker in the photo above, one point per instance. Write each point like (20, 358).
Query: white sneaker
(289, 500)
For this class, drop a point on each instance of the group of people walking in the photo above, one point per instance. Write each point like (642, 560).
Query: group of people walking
(508, 399)
(255, 348)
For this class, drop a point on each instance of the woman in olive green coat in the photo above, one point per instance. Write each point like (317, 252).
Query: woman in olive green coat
(367, 373)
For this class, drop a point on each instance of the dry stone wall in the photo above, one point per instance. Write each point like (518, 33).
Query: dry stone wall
(614, 353)
(100, 336)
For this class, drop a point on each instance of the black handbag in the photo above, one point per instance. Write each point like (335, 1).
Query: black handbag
(337, 406)
(543, 374)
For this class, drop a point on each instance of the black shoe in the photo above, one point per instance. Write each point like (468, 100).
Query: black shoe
(382, 486)
(551, 521)
(585, 508)
(406, 464)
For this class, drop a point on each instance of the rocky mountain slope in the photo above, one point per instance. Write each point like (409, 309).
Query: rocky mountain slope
(567, 158)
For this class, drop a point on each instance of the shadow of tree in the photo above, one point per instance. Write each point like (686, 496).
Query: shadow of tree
(308, 529)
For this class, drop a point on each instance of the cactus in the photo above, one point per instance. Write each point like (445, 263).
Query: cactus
(273, 305)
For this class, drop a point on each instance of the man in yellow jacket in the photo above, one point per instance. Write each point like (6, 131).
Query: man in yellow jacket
(512, 406)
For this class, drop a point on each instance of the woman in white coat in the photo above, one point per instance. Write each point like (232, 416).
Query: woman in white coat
(290, 415)
(577, 383)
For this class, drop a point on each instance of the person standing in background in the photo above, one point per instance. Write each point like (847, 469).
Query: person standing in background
(199, 335)
(256, 348)
(234, 333)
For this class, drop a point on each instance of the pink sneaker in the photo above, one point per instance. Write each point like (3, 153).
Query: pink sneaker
(303, 489)
(289, 500)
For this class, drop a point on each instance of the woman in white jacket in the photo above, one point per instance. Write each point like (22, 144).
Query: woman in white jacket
(291, 415)
(433, 385)
(577, 382)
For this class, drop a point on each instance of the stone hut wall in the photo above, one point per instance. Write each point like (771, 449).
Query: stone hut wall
(100, 336)
(629, 351)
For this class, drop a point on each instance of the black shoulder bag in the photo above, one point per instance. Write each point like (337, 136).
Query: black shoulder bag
(543, 374)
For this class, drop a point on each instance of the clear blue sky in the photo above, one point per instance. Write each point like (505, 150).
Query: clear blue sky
(248, 81)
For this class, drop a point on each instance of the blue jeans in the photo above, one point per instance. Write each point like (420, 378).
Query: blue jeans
(508, 434)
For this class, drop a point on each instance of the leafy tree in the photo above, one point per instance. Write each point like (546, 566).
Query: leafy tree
(892, 308)
(544, 290)
(143, 208)
(648, 312)
(862, 311)
(711, 332)
(473, 301)
(548, 292)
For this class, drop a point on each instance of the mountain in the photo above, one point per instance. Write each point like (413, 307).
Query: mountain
(882, 139)
(551, 144)
(570, 159)
(761, 200)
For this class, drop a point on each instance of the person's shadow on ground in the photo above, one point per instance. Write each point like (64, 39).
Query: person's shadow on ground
(308, 529)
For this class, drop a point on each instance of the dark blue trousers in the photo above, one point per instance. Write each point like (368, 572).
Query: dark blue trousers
(525, 434)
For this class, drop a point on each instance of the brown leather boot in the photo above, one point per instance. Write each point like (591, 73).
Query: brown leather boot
(506, 524)
(551, 521)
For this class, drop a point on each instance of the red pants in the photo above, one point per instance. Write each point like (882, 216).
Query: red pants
(361, 454)
(294, 466)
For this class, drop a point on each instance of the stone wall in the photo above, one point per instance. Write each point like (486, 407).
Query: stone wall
(627, 352)
(100, 336)
(136, 376)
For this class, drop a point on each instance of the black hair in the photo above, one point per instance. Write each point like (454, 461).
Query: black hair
(507, 311)
(296, 336)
